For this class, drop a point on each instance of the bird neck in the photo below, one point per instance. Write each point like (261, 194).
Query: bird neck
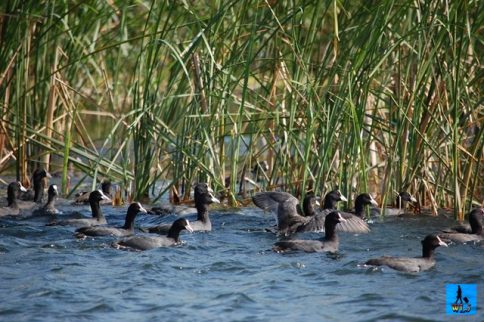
(359, 209)
(11, 198)
(308, 209)
(13, 204)
(174, 233)
(38, 191)
(96, 210)
(330, 232)
(329, 203)
(427, 251)
(476, 225)
(399, 202)
(202, 213)
(129, 221)
(50, 202)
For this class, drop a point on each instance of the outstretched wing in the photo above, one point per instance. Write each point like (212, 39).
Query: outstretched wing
(353, 224)
(285, 206)
(270, 200)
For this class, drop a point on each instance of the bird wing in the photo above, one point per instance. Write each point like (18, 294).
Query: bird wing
(298, 245)
(160, 229)
(353, 224)
(403, 264)
(465, 229)
(269, 201)
(100, 231)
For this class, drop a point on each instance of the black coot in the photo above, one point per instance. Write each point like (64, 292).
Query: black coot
(310, 203)
(330, 242)
(203, 198)
(97, 216)
(399, 208)
(127, 230)
(49, 208)
(415, 264)
(465, 234)
(150, 242)
(289, 221)
(30, 199)
(361, 202)
(83, 196)
(12, 208)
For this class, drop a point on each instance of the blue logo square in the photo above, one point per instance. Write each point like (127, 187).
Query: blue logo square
(461, 299)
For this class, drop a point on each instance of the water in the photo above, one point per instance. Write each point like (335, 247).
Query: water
(229, 274)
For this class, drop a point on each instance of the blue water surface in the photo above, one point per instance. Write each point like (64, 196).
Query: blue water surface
(229, 274)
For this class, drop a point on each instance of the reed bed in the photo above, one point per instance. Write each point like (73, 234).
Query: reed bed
(376, 96)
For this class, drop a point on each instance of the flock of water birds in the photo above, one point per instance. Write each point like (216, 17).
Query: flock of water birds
(291, 218)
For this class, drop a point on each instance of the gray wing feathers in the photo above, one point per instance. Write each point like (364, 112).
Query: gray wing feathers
(353, 224)
(289, 221)
(270, 201)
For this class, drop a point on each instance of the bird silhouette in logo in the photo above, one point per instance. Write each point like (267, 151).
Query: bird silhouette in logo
(459, 295)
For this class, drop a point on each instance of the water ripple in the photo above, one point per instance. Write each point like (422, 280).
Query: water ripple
(229, 274)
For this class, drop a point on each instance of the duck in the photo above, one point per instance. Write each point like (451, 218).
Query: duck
(127, 230)
(465, 234)
(149, 242)
(97, 216)
(403, 197)
(330, 242)
(203, 198)
(12, 208)
(289, 221)
(49, 208)
(412, 264)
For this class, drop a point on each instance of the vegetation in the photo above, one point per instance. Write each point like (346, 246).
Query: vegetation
(366, 95)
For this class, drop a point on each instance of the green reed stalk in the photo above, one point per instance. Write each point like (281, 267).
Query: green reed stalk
(364, 96)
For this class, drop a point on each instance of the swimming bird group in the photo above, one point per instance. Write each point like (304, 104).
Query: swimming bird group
(292, 219)
(97, 225)
(329, 220)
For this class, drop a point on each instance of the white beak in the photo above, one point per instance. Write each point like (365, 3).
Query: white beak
(373, 201)
(188, 227)
(22, 188)
(341, 218)
(214, 200)
(441, 243)
(141, 209)
(343, 198)
(103, 196)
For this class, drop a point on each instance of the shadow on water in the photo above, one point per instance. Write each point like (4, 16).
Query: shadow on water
(226, 275)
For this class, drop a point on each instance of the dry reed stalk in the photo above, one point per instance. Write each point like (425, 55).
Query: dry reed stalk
(51, 108)
(3, 133)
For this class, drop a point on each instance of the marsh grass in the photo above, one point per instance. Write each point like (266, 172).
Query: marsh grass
(376, 96)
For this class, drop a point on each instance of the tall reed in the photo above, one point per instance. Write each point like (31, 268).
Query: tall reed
(380, 96)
